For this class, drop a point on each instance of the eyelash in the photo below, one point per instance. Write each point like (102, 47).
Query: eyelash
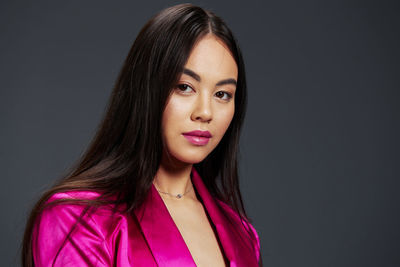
(179, 87)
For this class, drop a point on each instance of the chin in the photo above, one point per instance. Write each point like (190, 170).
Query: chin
(191, 158)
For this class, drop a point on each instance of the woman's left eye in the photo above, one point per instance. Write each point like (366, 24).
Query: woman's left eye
(223, 95)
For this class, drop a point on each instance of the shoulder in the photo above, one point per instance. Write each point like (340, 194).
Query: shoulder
(75, 195)
(69, 232)
(244, 224)
(233, 215)
(72, 209)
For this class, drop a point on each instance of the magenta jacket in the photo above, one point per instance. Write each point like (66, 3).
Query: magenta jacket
(150, 238)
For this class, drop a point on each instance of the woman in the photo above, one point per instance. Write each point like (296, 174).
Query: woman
(158, 185)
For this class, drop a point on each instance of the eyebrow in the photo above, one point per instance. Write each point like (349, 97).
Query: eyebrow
(195, 76)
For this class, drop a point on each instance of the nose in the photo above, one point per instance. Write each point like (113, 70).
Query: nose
(202, 110)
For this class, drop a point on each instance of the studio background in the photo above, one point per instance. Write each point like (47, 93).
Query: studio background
(320, 147)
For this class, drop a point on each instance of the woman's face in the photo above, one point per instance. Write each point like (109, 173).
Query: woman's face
(203, 101)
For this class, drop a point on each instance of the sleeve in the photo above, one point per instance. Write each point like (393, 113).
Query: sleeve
(58, 239)
(256, 244)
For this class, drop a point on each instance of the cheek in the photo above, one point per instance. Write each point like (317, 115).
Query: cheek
(224, 120)
(174, 113)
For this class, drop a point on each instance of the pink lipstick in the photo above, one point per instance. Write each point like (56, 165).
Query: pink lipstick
(200, 138)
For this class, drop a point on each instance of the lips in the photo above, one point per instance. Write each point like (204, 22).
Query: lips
(199, 133)
(198, 137)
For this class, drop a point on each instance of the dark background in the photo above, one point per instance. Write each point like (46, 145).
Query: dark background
(320, 147)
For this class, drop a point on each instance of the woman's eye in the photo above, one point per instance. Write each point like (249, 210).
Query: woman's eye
(184, 88)
(223, 95)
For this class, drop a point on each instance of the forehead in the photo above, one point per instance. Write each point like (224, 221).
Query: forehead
(212, 59)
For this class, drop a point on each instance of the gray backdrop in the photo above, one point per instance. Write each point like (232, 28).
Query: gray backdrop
(320, 147)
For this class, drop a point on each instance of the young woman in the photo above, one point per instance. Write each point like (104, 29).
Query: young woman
(158, 185)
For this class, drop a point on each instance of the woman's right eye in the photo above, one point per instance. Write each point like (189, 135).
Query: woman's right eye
(184, 88)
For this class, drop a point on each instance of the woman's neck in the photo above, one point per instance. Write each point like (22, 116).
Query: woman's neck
(174, 180)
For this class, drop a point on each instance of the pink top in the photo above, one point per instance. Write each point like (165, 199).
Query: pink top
(150, 238)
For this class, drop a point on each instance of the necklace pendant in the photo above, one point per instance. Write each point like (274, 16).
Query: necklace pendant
(178, 195)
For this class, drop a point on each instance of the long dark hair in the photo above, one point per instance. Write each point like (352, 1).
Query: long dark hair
(124, 156)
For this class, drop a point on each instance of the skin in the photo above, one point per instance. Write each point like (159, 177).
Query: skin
(198, 102)
(196, 105)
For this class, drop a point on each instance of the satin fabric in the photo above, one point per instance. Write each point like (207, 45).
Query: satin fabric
(149, 238)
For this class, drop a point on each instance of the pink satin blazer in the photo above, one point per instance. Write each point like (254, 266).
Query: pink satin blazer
(150, 238)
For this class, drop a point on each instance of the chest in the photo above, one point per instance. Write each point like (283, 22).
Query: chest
(198, 233)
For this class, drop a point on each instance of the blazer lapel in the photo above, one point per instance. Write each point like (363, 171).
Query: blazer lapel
(230, 231)
(161, 233)
(166, 242)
